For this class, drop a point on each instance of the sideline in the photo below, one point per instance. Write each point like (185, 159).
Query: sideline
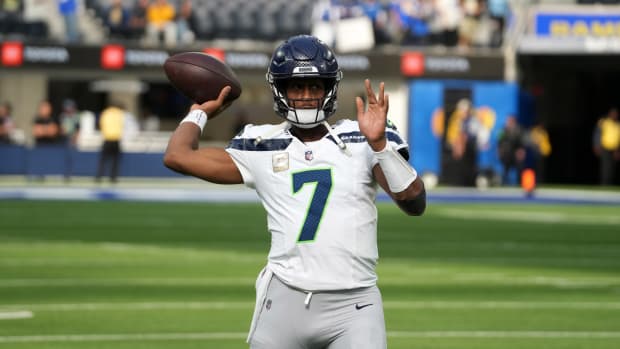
(194, 190)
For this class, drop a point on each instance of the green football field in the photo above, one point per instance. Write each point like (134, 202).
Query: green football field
(181, 275)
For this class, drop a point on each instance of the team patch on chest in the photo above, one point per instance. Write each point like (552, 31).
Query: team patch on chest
(308, 155)
(280, 162)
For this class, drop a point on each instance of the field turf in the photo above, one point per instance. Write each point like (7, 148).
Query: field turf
(180, 275)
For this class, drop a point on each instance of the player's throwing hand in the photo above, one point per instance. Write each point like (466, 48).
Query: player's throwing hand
(216, 106)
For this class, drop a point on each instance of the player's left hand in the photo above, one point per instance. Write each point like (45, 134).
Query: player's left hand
(372, 122)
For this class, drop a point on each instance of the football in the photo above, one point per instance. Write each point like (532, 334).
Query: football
(201, 77)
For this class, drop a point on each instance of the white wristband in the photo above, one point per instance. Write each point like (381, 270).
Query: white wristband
(197, 117)
(398, 173)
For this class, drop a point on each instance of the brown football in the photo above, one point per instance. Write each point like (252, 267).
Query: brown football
(201, 77)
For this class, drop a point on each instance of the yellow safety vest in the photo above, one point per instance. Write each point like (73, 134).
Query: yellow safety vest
(610, 134)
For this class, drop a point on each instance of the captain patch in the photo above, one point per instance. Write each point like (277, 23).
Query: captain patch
(279, 162)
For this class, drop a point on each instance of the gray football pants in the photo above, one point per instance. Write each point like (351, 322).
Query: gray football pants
(350, 319)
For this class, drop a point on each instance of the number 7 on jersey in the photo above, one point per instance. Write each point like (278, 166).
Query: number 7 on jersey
(322, 189)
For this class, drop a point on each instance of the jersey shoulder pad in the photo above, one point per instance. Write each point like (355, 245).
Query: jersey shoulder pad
(254, 131)
(261, 138)
(346, 125)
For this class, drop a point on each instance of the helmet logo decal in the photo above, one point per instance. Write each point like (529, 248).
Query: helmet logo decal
(301, 70)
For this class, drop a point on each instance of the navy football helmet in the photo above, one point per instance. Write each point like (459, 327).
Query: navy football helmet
(304, 56)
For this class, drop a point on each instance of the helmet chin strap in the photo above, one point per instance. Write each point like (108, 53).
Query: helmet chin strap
(305, 118)
(311, 115)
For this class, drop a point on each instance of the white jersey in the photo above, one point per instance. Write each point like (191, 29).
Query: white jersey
(320, 204)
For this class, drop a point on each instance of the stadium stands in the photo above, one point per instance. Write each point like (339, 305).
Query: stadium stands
(399, 22)
(237, 19)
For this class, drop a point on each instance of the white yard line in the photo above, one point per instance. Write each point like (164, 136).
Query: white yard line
(529, 216)
(499, 305)
(242, 335)
(504, 334)
(215, 281)
(132, 306)
(123, 337)
(249, 305)
(15, 315)
(249, 281)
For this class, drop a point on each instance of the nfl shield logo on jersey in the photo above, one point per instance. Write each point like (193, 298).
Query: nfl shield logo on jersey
(309, 155)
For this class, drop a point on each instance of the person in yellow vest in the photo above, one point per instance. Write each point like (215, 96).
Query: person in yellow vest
(111, 123)
(540, 146)
(606, 142)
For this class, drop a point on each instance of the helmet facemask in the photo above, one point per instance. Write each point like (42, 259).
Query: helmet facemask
(294, 111)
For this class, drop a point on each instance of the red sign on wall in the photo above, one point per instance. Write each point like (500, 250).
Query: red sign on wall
(216, 52)
(412, 64)
(113, 57)
(12, 54)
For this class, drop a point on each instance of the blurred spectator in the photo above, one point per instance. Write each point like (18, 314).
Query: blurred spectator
(117, 20)
(327, 13)
(160, 25)
(538, 140)
(69, 121)
(6, 123)
(45, 128)
(68, 10)
(511, 148)
(448, 16)
(413, 16)
(70, 128)
(111, 124)
(378, 14)
(472, 129)
(10, 15)
(137, 19)
(470, 22)
(455, 134)
(461, 142)
(186, 23)
(499, 11)
(606, 144)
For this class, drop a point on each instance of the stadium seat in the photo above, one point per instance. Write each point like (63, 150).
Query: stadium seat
(245, 22)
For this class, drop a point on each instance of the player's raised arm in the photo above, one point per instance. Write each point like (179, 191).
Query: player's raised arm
(393, 172)
(184, 156)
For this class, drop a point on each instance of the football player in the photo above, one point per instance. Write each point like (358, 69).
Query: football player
(318, 184)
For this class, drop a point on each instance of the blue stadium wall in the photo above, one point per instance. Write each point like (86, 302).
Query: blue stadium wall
(60, 160)
(426, 97)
